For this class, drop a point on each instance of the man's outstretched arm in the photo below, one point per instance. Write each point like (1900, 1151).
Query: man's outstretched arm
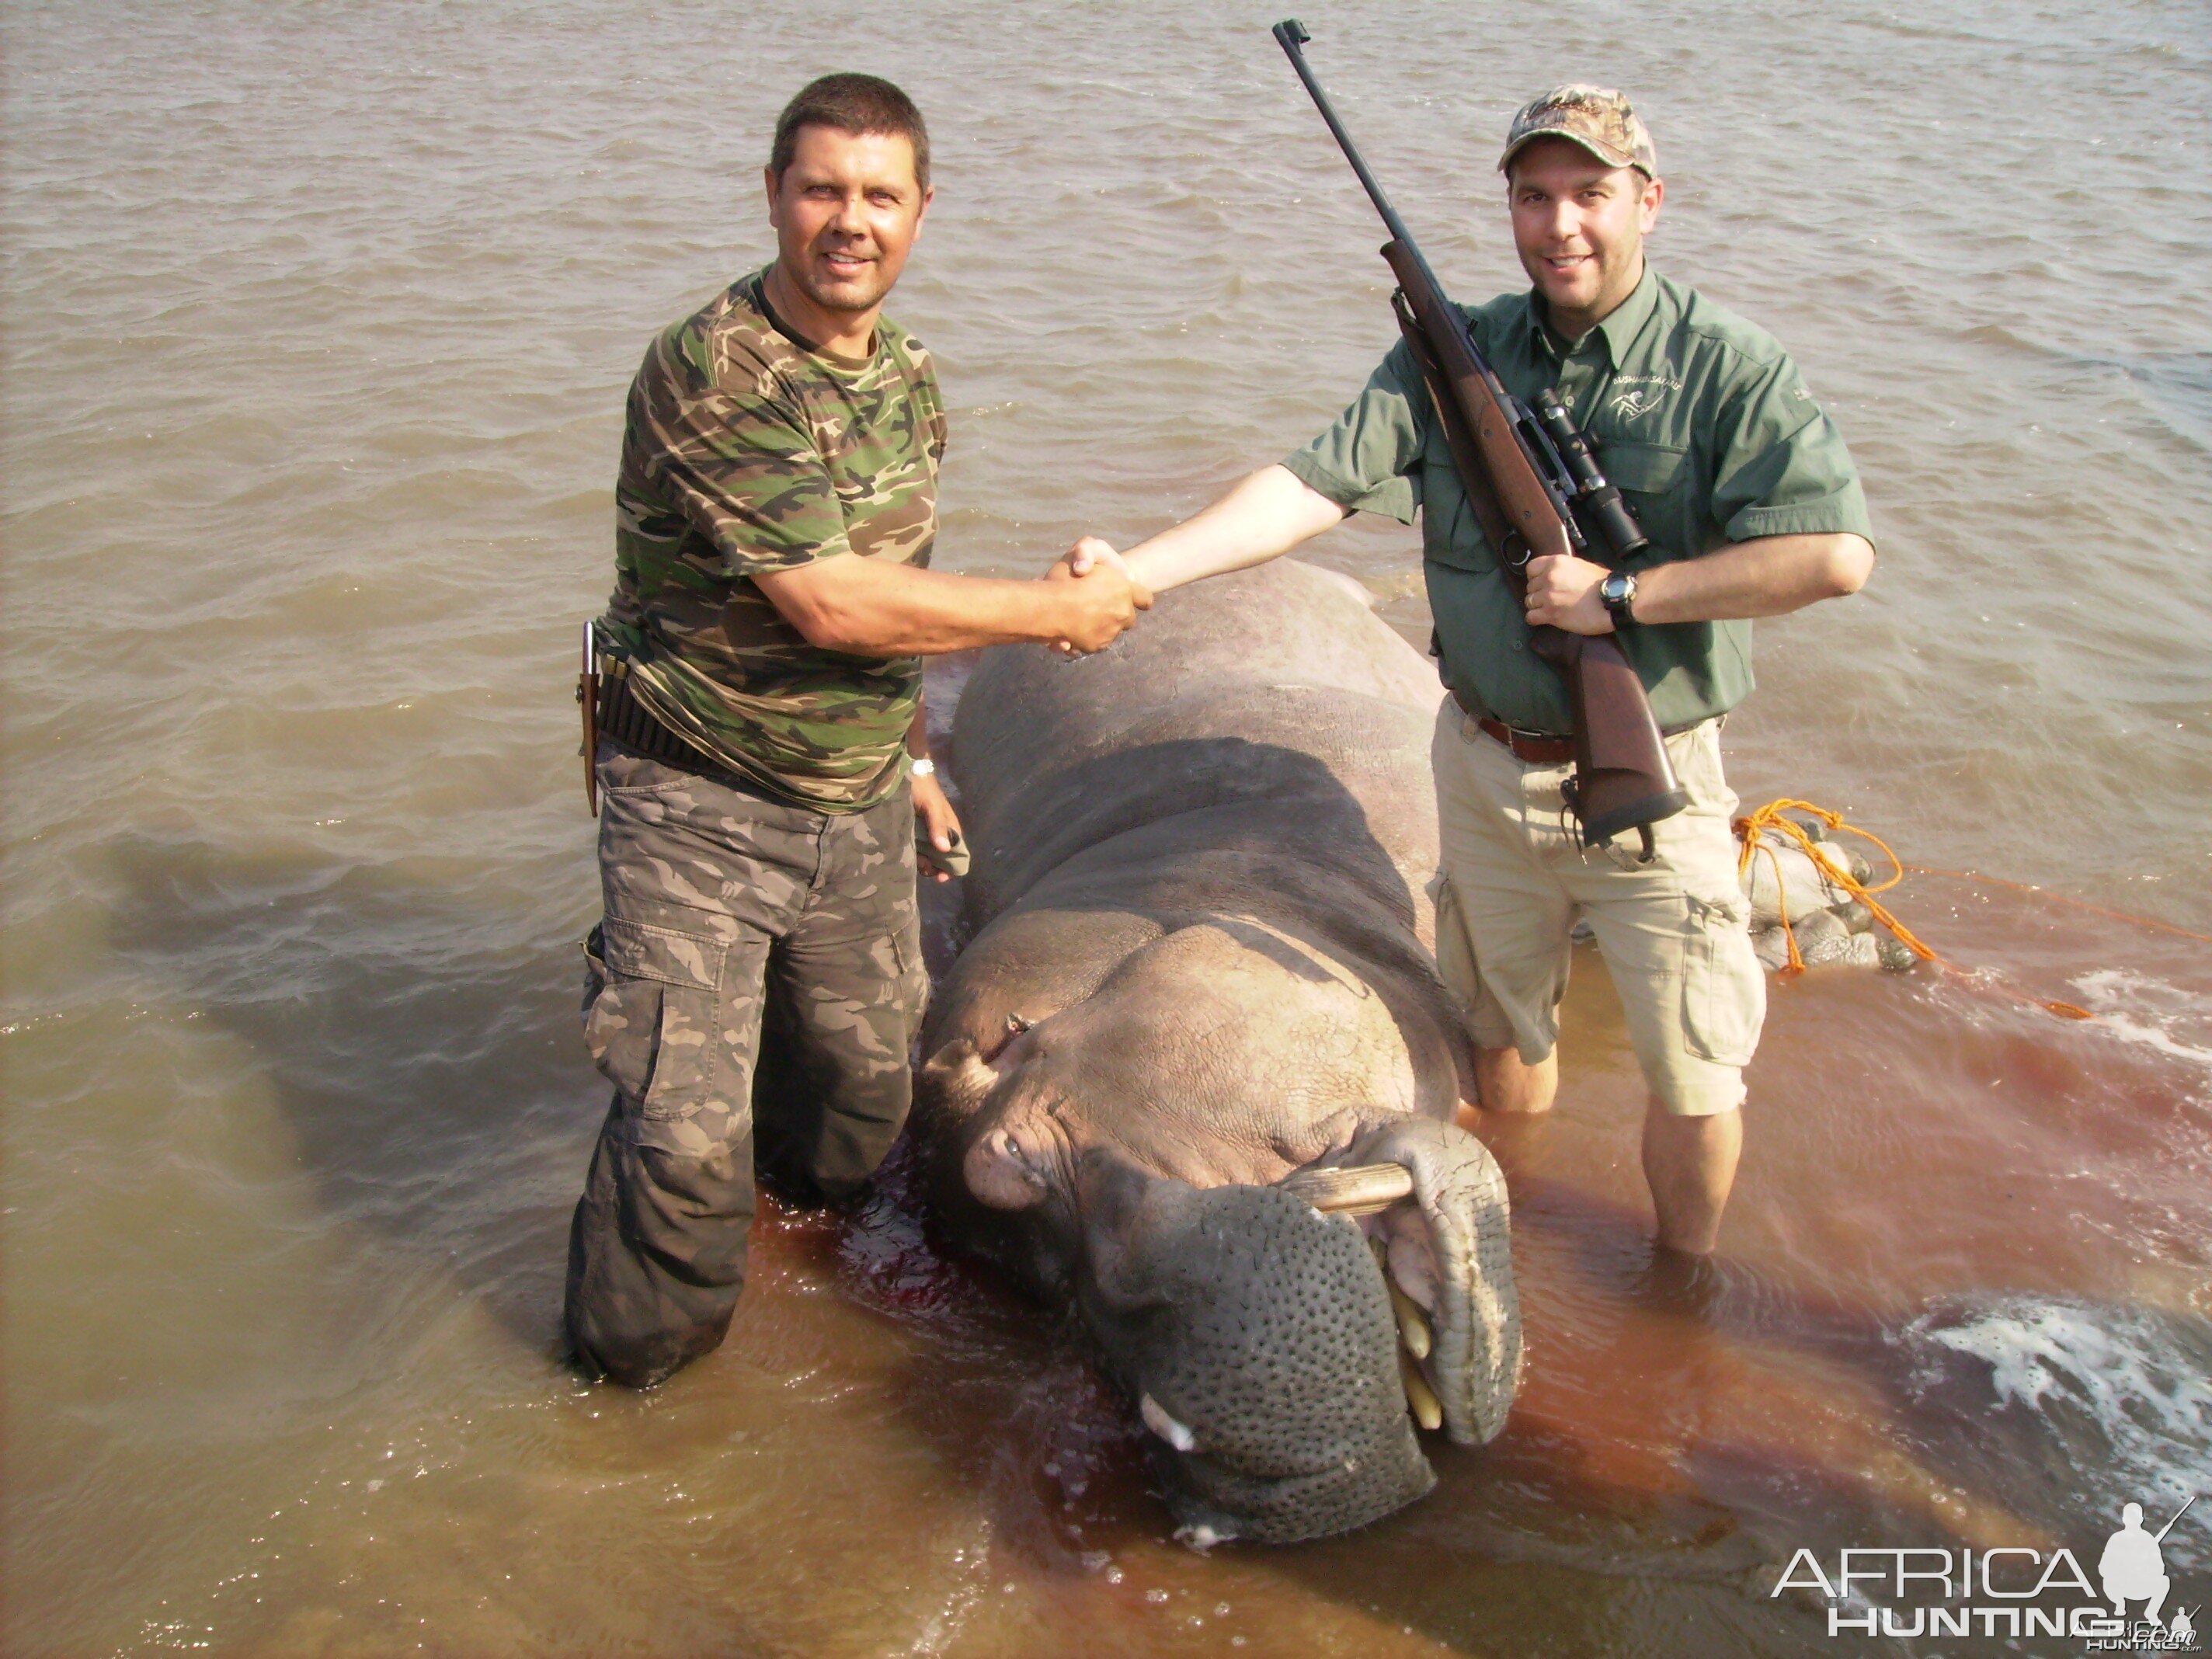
(1267, 513)
(868, 608)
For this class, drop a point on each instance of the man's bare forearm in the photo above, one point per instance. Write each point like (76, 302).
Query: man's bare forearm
(1767, 576)
(1266, 514)
(871, 608)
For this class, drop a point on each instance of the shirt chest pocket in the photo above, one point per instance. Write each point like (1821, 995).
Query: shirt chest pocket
(1653, 479)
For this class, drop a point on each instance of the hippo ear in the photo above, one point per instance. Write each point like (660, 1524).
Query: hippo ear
(1449, 1248)
(956, 1080)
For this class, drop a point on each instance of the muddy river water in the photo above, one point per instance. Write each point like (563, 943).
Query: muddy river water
(318, 323)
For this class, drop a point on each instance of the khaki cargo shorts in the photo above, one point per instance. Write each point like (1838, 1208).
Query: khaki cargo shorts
(1673, 933)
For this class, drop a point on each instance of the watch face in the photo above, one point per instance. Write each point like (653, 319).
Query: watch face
(1614, 588)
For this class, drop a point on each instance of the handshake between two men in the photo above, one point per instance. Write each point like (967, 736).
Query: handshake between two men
(1266, 514)
(1272, 511)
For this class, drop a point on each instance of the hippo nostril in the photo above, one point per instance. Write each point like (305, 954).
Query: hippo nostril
(1156, 1420)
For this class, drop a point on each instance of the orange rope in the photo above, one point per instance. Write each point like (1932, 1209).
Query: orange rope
(1769, 817)
(2058, 898)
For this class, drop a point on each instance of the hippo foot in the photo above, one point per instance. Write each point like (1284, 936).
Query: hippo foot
(1843, 934)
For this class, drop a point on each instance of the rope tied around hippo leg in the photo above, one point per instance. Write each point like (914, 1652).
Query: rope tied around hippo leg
(1770, 817)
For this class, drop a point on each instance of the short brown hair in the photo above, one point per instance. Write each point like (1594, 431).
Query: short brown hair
(857, 103)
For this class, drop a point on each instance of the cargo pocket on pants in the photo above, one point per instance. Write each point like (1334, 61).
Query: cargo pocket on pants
(1454, 950)
(1724, 989)
(651, 1024)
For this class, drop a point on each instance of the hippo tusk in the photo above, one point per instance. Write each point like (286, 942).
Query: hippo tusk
(1412, 1318)
(1359, 1189)
(1155, 1417)
(1413, 1321)
(1428, 1410)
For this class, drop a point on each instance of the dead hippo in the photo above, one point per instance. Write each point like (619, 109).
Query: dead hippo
(1199, 1002)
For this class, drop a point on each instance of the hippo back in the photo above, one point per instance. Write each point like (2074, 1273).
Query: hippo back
(1267, 715)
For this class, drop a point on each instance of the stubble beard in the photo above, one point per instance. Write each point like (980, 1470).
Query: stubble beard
(851, 296)
(1617, 276)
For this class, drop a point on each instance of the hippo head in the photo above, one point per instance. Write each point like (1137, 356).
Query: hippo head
(1255, 1334)
(1211, 1206)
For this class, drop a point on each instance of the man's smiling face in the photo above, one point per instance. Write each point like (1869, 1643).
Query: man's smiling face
(1579, 227)
(846, 213)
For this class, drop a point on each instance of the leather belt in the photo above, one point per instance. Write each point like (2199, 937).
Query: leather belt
(1542, 748)
(1537, 748)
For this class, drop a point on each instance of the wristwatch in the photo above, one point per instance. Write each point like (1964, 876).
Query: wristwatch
(924, 767)
(1618, 593)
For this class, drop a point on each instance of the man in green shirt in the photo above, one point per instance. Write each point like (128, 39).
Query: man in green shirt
(757, 974)
(1753, 509)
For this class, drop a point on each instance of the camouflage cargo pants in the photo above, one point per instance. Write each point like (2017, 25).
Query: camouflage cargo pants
(754, 989)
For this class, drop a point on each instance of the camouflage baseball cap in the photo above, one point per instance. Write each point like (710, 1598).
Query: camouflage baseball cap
(1600, 119)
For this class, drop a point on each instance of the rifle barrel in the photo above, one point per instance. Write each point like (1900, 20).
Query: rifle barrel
(2177, 1513)
(1291, 34)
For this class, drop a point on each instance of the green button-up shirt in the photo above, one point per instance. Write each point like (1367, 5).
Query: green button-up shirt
(1699, 416)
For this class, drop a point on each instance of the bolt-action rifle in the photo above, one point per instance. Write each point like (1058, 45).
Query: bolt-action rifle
(1534, 481)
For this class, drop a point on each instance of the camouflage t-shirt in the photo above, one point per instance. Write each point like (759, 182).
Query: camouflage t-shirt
(749, 449)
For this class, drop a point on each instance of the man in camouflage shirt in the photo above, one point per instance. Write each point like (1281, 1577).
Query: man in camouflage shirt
(758, 975)
(1753, 509)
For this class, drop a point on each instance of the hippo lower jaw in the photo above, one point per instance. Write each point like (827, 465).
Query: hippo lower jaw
(1264, 1340)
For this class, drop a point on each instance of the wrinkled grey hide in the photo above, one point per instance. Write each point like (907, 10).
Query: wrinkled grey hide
(1202, 965)
(1783, 880)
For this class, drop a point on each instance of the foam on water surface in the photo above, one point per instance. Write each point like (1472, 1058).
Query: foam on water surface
(2119, 1398)
(2142, 1009)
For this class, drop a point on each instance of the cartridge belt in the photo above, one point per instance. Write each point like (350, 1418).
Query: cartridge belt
(629, 723)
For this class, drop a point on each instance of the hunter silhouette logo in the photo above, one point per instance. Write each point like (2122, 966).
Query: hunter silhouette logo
(2134, 1568)
(1633, 402)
